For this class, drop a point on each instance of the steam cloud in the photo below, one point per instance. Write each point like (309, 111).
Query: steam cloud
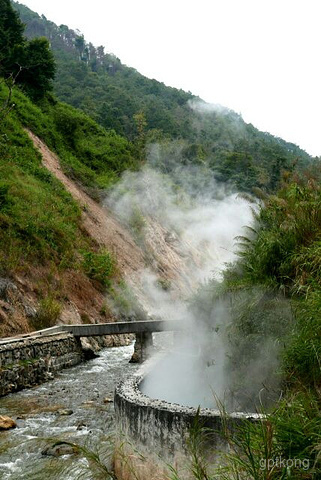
(187, 223)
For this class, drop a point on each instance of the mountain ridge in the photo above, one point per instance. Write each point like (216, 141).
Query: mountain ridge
(120, 98)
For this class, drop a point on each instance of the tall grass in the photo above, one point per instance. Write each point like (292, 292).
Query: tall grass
(281, 254)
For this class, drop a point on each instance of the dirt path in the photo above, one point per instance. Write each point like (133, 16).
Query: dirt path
(97, 220)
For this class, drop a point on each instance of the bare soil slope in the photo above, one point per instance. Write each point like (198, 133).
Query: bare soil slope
(161, 255)
(97, 220)
(161, 258)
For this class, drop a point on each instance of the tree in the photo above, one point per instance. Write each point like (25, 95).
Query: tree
(278, 165)
(38, 68)
(239, 168)
(11, 38)
(30, 64)
(80, 46)
(141, 124)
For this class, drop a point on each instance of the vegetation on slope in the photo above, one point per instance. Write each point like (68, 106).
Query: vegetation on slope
(39, 220)
(40, 223)
(120, 98)
(279, 259)
(279, 265)
(283, 255)
(87, 152)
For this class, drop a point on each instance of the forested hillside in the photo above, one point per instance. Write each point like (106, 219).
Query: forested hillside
(44, 248)
(120, 98)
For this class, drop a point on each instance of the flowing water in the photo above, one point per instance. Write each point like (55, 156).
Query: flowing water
(43, 418)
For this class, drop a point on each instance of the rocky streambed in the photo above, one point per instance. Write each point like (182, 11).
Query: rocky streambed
(76, 407)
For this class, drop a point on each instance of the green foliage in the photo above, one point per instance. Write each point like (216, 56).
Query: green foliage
(96, 153)
(273, 447)
(88, 153)
(285, 251)
(141, 124)
(38, 68)
(47, 314)
(49, 229)
(239, 168)
(11, 36)
(302, 357)
(282, 254)
(141, 109)
(279, 446)
(29, 63)
(99, 266)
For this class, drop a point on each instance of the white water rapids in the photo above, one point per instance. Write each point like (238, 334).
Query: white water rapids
(81, 389)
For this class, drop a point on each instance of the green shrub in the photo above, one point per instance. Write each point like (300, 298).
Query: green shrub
(283, 445)
(302, 357)
(137, 223)
(99, 266)
(48, 313)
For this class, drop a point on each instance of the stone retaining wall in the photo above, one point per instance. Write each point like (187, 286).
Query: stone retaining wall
(32, 361)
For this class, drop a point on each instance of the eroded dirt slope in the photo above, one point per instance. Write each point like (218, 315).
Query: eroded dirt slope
(81, 301)
(161, 257)
(97, 220)
(161, 254)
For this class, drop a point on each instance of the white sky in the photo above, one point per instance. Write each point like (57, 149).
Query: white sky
(260, 58)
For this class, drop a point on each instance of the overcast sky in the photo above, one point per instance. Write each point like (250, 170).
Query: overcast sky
(260, 58)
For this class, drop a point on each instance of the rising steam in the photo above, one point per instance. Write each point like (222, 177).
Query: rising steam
(186, 224)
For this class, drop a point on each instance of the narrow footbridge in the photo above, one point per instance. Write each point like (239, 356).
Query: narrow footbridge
(98, 329)
(143, 331)
(140, 328)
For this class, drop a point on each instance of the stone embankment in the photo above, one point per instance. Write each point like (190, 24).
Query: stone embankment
(32, 360)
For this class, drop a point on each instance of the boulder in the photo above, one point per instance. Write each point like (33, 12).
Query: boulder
(89, 353)
(59, 449)
(6, 423)
(87, 349)
(135, 358)
(64, 412)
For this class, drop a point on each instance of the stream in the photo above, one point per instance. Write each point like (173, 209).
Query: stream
(75, 407)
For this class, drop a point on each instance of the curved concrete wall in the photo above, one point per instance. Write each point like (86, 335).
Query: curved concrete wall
(153, 434)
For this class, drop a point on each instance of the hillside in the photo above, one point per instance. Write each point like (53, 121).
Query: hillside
(122, 198)
(120, 98)
(51, 263)
(62, 256)
(57, 258)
